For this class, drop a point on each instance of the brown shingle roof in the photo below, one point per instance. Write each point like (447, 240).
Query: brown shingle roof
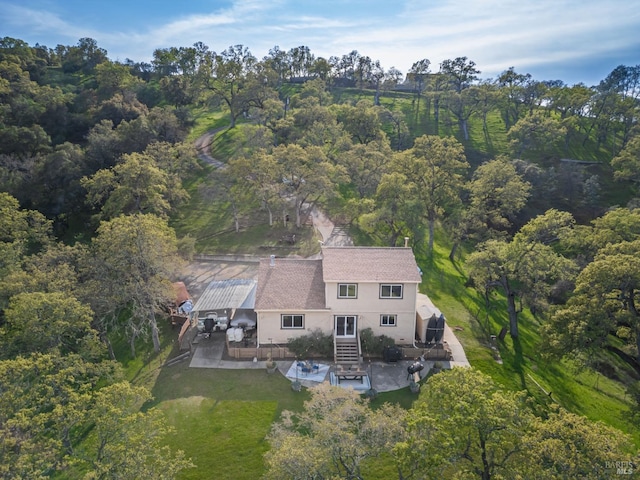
(369, 264)
(292, 284)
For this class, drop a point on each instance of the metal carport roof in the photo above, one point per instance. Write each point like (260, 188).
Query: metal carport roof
(227, 294)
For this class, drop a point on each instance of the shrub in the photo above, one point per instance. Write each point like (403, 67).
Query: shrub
(315, 343)
(373, 345)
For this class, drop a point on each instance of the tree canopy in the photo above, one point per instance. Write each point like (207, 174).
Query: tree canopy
(461, 426)
(535, 182)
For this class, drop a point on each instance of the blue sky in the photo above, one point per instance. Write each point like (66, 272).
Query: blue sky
(570, 40)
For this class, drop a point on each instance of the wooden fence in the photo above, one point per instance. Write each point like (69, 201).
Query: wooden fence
(240, 352)
(261, 353)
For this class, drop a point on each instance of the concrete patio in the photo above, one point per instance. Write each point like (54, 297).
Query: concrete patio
(384, 377)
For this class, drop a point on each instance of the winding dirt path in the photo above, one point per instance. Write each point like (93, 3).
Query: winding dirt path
(203, 147)
(331, 235)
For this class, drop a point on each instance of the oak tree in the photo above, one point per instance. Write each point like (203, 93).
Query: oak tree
(332, 436)
(605, 300)
(53, 323)
(45, 410)
(434, 168)
(525, 268)
(463, 426)
(536, 134)
(135, 185)
(134, 260)
(496, 194)
(127, 442)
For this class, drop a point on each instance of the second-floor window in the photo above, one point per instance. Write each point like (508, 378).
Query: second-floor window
(347, 290)
(391, 290)
(292, 321)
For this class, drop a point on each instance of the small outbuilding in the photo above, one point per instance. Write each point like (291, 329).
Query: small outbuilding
(429, 321)
(182, 306)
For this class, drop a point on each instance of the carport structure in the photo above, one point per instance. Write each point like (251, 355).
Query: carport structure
(234, 299)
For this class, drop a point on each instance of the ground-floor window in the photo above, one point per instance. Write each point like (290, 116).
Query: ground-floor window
(387, 320)
(292, 321)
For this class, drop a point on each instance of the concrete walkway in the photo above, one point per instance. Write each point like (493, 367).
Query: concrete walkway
(459, 358)
(384, 377)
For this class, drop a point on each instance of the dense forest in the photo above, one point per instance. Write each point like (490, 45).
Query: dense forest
(533, 185)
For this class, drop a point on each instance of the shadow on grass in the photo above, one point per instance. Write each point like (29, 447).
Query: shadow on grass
(519, 362)
(181, 381)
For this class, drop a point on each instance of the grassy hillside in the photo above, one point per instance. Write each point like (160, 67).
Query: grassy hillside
(242, 404)
(478, 148)
(517, 364)
(522, 367)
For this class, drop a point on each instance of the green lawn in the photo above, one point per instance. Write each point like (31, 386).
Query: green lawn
(523, 368)
(223, 416)
(224, 438)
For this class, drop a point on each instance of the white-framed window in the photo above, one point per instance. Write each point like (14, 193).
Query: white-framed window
(347, 290)
(292, 321)
(387, 320)
(391, 290)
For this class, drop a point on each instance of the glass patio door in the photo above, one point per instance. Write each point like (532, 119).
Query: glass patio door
(346, 326)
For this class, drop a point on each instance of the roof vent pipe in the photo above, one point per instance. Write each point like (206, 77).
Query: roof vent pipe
(272, 262)
(406, 242)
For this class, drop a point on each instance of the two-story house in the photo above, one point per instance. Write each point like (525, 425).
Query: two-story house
(348, 289)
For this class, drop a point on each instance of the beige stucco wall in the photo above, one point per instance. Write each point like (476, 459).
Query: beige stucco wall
(368, 307)
(369, 299)
(269, 325)
(402, 333)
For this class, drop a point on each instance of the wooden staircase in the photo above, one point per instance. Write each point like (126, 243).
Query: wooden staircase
(346, 351)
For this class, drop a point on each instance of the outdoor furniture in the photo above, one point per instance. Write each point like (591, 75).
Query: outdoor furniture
(350, 374)
(235, 334)
(244, 323)
(306, 367)
(221, 323)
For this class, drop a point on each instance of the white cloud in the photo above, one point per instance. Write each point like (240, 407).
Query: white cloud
(42, 21)
(499, 34)
(496, 34)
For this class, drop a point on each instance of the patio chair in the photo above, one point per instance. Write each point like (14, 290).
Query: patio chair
(305, 368)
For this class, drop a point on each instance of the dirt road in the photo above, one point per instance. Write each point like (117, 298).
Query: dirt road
(203, 147)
